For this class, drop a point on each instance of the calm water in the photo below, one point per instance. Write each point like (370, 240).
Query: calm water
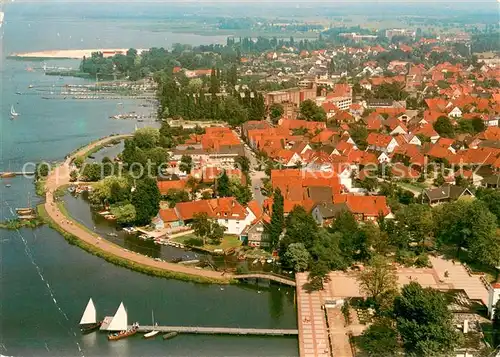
(45, 282)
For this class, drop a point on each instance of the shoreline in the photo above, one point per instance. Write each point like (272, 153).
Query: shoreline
(68, 54)
(77, 235)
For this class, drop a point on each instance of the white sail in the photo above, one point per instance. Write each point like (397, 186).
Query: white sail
(89, 315)
(119, 321)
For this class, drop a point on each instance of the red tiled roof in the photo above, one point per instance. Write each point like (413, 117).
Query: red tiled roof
(371, 206)
(165, 186)
(380, 140)
(168, 215)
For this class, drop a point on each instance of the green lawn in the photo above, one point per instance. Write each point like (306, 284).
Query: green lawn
(228, 241)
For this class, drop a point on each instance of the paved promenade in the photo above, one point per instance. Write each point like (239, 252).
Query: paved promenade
(323, 333)
(60, 176)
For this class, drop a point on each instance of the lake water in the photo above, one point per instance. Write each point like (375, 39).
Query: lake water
(45, 282)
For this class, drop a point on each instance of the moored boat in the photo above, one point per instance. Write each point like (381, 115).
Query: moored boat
(170, 335)
(152, 333)
(119, 325)
(88, 322)
(123, 334)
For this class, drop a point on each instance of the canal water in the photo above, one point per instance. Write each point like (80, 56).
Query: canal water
(45, 282)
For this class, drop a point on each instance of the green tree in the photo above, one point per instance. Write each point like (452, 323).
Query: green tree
(206, 228)
(125, 214)
(42, 170)
(318, 273)
(243, 163)
(276, 111)
(92, 172)
(175, 196)
(418, 221)
(496, 324)
(469, 224)
(297, 257)
(378, 279)
(242, 193)
(147, 138)
(491, 198)
(146, 200)
(326, 248)
(439, 180)
(277, 223)
(186, 164)
(310, 111)
(78, 161)
(424, 322)
(444, 127)
(359, 134)
(73, 175)
(232, 112)
(380, 339)
(478, 125)
(223, 187)
(300, 228)
(201, 225)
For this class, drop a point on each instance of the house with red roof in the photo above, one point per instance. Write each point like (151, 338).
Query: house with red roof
(365, 208)
(381, 142)
(227, 211)
(427, 130)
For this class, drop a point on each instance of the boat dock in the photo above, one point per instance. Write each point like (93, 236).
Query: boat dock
(16, 173)
(221, 330)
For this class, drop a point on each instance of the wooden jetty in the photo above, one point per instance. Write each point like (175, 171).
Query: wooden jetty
(269, 276)
(16, 173)
(221, 330)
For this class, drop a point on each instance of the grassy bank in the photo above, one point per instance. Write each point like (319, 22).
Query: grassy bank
(125, 263)
(40, 187)
(14, 224)
(191, 240)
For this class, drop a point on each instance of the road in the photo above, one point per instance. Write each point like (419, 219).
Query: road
(60, 176)
(255, 176)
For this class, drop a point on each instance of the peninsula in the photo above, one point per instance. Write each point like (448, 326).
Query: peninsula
(60, 176)
(71, 54)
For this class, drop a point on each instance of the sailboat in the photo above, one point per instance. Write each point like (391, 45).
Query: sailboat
(119, 323)
(89, 322)
(13, 112)
(154, 332)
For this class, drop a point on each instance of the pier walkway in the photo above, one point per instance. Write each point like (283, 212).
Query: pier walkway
(221, 330)
(269, 276)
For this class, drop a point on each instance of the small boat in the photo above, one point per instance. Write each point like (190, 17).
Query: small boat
(13, 112)
(19, 93)
(153, 333)
(89, 322)
(7, 174)
(170, 335)
(30, 86)
(112, 234)
(123, 334)
(119, 323)
(8, 185)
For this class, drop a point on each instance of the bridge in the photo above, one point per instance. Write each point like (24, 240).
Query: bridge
(220, 330)
(269, 276)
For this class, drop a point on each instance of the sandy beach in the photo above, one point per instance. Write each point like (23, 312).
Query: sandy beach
(73, 54)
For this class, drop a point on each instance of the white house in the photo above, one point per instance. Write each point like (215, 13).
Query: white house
(399, 130)
(455, 113)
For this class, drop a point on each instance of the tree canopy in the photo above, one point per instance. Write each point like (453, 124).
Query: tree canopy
(424, 321)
